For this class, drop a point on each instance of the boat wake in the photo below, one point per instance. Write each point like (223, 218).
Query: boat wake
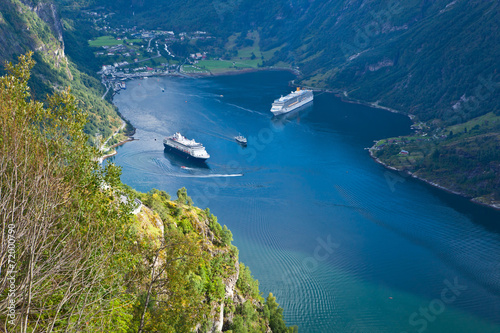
(211, 175)
(245, 109)
(192, 172)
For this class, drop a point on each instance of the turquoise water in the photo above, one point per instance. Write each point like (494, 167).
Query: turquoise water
(344, 244)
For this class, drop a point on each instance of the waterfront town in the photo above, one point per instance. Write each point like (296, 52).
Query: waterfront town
(127, 53)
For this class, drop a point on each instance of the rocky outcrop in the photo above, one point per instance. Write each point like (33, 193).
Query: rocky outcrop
(224, 307)
(231, 282)
(230, 285)
(47, 11)
(219, 320)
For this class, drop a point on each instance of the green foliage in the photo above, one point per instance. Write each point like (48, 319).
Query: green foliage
(465, 161)
(247, 284)
(69, 221)
(226, 236)
(248, 319)
(275, 313)
(120, 314)
(251, 318)
(176, 304)
(276, 321)
(157, 201)
(183, 198)
(223, 235)
(185, 225)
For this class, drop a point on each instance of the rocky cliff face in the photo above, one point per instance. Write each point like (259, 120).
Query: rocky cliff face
(29, 27)
(204, 227)
(36, 25)
(48, 13)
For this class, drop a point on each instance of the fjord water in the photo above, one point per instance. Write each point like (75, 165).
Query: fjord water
(344, 244)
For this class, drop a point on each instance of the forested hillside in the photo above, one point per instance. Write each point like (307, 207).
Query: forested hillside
(420, 57)
(35, 25)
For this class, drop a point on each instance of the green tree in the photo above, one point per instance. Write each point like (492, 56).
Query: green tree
(171, 302)
(275, 313)
(246, 282)
(226, 236)
(183, 198)
(64, 212)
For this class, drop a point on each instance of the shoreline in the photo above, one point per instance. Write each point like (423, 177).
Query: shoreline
(233, 72)
(346, 99)
(493, 206)
(128, 139)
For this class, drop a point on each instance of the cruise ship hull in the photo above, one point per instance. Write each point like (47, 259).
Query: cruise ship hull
(184, 154)
(294, 107)
(292, 101)
(180, 160)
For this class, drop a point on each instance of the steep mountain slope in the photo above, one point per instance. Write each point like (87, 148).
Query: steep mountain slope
(420, 59)
(35, 25)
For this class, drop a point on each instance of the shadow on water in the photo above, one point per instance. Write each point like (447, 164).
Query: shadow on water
(363, 123)
(183, 162)
(295, 115)
(484, 216)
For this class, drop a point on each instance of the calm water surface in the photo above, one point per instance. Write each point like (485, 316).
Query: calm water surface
(345, 245)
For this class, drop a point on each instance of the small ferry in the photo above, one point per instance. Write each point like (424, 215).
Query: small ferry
(241, 140)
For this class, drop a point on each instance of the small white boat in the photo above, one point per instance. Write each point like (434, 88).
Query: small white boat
(241, 139)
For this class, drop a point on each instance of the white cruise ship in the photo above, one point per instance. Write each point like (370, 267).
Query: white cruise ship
(290, 102)
(185, 147)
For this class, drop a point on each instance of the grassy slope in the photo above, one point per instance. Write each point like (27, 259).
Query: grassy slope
(245, 57)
